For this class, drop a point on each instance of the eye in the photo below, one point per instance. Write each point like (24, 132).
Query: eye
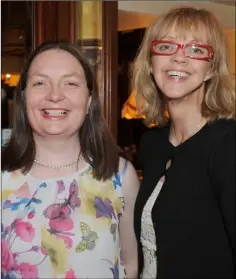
(165, 47)
(198, 50)
(38, 83)
(72, 84)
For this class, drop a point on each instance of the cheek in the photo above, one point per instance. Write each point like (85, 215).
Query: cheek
(204, 68)
(78, 99)
(156, 71)
(30, 102)
(30, 109)
(158, 62)
(154, 65)
(158, 65)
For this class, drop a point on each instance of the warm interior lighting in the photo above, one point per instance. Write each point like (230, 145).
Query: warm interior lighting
(11, 79)
(129, 109)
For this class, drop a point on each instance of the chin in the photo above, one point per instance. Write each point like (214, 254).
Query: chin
(51, 131)
(53, 134)
(178, 93)
(171, 96)
(57, 133)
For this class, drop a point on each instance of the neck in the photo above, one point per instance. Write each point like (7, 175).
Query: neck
(57, 152)
(186, 120)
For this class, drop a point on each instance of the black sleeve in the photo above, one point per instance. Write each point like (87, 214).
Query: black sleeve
(223, 177)
(144, 149)
(141, 152)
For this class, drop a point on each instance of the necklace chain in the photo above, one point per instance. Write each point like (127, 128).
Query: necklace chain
(56, 166)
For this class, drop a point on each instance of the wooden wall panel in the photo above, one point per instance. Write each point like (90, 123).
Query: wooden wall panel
(53, 20)
(66, 24)
(110, 63)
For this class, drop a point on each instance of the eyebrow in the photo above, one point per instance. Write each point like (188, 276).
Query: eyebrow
(64, 76)
(38, 74)
(72, 75)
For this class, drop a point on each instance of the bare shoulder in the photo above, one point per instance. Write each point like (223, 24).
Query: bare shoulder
(128, 174)
(6, 176)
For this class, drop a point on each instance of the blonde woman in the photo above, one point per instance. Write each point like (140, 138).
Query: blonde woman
(185, 209)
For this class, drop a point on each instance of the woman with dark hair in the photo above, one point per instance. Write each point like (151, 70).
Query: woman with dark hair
(67, 196)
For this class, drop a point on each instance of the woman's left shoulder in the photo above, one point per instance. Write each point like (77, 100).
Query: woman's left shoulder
(127, 171)
(221, 127)
(125, 165)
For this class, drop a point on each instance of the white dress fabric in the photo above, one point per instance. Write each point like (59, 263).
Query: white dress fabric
(148, 238)
(61, 228)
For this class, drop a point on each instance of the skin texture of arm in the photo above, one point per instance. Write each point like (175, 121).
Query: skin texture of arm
(129, 254)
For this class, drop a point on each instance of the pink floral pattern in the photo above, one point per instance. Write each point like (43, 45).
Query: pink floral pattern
(28, 271)
(8, 261)
(65, 228)
(70, 274)
(24, 230)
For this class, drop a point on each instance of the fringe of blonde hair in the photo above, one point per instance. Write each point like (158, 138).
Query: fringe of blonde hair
(219, 99)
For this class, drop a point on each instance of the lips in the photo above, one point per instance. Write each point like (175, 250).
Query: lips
(178, 74)
(55, 112)
(52, 113)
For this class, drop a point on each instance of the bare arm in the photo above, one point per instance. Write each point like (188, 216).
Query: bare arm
(129, 253)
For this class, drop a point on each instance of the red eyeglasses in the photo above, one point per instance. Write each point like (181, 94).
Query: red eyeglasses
(193, 51)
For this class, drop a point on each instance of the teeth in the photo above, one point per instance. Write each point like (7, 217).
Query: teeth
(55, 112)
(177, 74)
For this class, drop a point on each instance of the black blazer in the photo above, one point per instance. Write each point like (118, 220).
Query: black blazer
(194, 214)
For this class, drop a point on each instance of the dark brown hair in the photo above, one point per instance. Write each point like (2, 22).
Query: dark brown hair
(97, 145)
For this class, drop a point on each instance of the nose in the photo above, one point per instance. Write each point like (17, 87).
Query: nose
(55, 94)
(179, 57)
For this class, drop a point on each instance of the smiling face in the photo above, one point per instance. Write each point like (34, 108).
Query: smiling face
(177, 75)
(57, 97)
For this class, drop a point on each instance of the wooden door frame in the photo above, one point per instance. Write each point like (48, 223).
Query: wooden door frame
(110, 63)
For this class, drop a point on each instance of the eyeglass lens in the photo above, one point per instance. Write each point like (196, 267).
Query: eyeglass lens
(189, 50)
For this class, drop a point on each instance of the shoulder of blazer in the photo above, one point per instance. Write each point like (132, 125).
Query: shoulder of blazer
(219, 128)
(151, 142)
(153, 135)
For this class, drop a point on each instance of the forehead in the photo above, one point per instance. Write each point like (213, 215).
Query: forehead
(55, 61)
(180, 30)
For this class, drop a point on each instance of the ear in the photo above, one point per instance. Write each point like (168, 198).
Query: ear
(209, 75)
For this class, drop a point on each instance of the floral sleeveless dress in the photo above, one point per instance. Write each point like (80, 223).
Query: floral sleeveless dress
(61, 228)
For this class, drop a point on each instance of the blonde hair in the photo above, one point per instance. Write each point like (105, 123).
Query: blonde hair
(219, 99)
